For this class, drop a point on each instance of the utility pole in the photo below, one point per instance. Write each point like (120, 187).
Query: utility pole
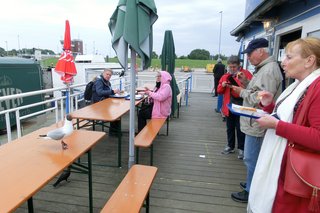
(220, 33)
(19, 45)
(7, 47)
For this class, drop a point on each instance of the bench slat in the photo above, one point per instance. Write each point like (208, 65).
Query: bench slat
(132, 191)
(149, 132)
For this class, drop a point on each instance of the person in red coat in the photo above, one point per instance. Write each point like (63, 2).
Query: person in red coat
(295, 119)
(232, 121)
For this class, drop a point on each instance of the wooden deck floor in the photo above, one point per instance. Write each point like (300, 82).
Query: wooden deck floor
(193, 175)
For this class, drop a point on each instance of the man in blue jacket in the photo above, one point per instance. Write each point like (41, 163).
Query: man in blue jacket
(102, 87)
(101, 90)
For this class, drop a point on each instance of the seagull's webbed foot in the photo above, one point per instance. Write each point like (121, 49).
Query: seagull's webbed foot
(64, 145)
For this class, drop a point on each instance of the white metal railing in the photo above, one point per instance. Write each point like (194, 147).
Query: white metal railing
(76, 95)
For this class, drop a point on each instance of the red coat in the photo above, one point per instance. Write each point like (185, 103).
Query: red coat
(302, 135)
(227, 92)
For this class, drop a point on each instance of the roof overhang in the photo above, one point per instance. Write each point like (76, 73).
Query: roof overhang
(256, 17)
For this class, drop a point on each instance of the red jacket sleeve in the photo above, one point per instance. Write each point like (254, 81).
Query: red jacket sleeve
(307, 135)
(221, 89)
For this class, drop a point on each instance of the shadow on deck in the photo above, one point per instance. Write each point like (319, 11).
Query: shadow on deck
(193, 175)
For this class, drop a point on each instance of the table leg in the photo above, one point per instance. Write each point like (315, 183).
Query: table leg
(119, 144)
(90, 181)
(30, 205)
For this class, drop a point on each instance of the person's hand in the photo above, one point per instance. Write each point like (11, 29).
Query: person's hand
(237, 89)
(268, 122)
(147, 92)
(225, 84)
(265, 97)
(116, 91)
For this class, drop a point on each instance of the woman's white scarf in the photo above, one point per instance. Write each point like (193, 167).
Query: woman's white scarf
(265, 179)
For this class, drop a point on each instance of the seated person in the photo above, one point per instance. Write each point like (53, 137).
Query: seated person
(158, 102)
(102, 87)
(101, 90)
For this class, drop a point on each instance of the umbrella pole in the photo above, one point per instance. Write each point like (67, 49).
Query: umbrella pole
(67, 99)
(132, 107)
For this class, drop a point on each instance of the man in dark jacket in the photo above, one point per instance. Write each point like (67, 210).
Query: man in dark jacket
(218, 72)
(102, 87)
(101, 90)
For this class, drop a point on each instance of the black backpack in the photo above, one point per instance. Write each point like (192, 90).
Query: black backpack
(88, 91)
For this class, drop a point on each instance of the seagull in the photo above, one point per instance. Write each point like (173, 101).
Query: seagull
(62, 132)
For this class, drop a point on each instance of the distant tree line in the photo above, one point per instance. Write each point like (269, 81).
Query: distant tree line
(197, 54)
(15, 52)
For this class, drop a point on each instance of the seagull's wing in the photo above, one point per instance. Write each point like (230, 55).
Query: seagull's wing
(56, 134)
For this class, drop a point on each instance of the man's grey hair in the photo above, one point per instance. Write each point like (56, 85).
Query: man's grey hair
(265, 49)
(233, 60)
(108, 70)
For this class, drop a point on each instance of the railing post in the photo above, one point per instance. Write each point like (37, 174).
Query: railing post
(76, 101)
(61, 107)
(57, 110)
(187, 91)
(191, 78)
(18, 124)
(8, 124)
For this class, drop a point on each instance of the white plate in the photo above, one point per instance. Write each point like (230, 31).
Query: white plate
(137, 97)
(122, 95)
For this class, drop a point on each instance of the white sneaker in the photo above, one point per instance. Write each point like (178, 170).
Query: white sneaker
(240, 154)
(227, 150)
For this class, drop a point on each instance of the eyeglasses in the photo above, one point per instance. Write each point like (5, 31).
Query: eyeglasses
(158, 76)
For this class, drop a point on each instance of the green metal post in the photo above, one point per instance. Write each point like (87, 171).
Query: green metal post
(30, 205)
(90, 181)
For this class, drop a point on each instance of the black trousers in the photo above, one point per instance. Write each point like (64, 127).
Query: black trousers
(216, 83)
(233, 127)
(143, 115)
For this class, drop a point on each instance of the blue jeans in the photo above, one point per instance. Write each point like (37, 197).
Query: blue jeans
(219, 103)
(252, 147)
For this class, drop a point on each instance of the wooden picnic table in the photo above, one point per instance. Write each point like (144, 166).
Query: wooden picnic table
(108, 110)
(27, 164)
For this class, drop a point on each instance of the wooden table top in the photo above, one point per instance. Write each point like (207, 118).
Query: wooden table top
(109, 109)
(30, 162)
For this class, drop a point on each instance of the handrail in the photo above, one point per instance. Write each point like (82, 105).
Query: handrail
(74, 97)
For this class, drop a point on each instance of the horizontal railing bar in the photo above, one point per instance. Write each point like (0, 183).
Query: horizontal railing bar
(37, 113)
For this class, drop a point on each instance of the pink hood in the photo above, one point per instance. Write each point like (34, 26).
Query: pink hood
(162, 98)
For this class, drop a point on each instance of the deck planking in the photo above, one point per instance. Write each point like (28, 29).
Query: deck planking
(193, 175)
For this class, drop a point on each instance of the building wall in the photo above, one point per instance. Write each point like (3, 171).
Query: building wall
(77, 47)
(291, 17)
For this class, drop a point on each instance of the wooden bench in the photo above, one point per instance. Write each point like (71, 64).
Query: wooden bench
(146, 136)
(133, 190)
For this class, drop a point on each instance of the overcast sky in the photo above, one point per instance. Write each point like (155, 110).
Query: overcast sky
(195, 24)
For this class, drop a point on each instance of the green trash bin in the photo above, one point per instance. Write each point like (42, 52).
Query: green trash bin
(19, 75)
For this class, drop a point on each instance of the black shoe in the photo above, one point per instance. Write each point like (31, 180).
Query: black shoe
(224, 119)
(241, 197)
(217, 111)
(243, 185)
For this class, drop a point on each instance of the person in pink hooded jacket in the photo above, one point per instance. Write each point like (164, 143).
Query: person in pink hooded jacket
(160, 99)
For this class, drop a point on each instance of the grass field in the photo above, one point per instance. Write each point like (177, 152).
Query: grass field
(156, 63)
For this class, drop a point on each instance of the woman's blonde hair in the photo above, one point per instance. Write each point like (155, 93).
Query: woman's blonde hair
(309, 46)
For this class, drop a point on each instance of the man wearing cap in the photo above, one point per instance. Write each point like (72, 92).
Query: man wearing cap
(266, 76)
